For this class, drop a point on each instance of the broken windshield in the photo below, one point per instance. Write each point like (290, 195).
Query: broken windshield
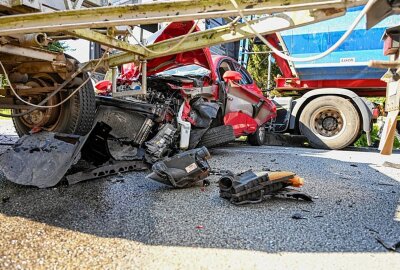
(189, 70)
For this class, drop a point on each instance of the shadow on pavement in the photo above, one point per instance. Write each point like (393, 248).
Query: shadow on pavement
(354, 204)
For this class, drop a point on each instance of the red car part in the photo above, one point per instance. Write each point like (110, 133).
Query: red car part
(246, 108)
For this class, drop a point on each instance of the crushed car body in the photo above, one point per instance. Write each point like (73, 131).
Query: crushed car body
(192, 100)
(186, 79)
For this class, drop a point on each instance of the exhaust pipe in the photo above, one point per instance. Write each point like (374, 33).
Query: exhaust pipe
(34, 40)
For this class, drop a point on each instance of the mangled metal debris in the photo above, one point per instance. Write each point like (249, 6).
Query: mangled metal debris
(110, 168)
(250, 187)
(160, 146)
(201, 116)
(295, 194)
(118, 142)
(389, 246)
(298, 216)
(131, 139)
(182, 170)
(43, 159)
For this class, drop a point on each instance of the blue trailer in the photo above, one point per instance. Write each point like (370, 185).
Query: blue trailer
(346, 67)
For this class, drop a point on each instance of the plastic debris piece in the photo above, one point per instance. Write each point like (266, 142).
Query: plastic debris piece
(298, 216)
(250, 187)
(391, 247)
(35, 130)
(371, 229)
(182, 170)
(117, 180)
(391, 165)
(291, 193)
(160, 145)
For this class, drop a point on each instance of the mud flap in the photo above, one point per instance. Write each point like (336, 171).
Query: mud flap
(41, 159)
(182, 170)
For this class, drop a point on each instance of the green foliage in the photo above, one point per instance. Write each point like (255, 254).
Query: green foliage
(58, 46)
(3, 81)
(362, 141)
(258, 67)
(377, 100)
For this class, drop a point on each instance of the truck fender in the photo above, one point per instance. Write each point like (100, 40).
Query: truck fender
(360, 104)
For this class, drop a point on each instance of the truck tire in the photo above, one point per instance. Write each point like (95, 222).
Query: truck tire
(330, 122)
(217, 136)
(75, 116)
(257, 138)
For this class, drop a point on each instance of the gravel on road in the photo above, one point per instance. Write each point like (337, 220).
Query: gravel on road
(138, 223)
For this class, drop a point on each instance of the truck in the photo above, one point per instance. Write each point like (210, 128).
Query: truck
(327, 101)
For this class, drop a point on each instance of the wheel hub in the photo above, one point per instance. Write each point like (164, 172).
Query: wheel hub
(328, 122)
(35, 118)
(41, 117)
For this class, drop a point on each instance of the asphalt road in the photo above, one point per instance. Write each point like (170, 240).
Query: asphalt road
(138, 223)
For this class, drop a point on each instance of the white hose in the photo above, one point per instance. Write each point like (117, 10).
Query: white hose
(311, 58)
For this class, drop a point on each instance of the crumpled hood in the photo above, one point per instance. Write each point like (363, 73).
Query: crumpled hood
(201, 57)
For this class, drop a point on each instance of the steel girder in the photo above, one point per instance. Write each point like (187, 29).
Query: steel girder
(225, 34)
(58, 21)
(82, 23)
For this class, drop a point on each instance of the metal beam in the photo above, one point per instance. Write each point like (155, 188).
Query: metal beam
(106, 40)
(29, 52)
(275, 23)
(5, 3)
(14, 59)
(20, 6)
(78, 4)
(30, 91)
(31, 4)
(225, 34)
(68, 4)
(154, 13)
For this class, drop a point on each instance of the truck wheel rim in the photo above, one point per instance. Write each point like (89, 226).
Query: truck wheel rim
(328, 122)
(47, 118)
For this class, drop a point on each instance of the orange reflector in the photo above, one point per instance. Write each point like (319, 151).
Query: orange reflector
(297, 181)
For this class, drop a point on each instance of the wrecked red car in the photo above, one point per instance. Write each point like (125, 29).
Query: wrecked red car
(215, 98)
(192, 101)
